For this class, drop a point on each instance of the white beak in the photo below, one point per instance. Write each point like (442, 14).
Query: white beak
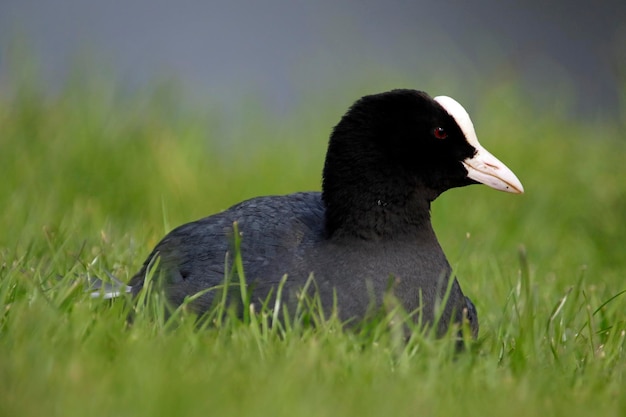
(487, 169)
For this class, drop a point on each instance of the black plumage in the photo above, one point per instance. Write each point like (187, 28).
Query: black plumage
(368, 232)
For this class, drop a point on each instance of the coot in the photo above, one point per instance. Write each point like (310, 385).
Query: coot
(368, 233)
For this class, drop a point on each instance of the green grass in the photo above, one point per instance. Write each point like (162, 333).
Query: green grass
(91, 181)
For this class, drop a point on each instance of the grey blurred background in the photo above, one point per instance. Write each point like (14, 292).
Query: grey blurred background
(284, 51)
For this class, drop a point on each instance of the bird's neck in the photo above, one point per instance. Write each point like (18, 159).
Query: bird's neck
(369, 196)
(373, 214)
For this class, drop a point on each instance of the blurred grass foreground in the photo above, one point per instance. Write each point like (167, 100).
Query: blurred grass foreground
(92, 180)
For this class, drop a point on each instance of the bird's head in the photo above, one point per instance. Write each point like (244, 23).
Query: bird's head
(404, 139)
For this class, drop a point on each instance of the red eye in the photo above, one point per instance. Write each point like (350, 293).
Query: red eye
(440, 133)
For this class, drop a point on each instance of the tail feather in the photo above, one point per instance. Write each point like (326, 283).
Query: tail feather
(107, 290)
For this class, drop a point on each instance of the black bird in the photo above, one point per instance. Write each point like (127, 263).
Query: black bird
(367, 233)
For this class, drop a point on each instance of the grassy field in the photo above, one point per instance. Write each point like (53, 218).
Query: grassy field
(91, 181)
